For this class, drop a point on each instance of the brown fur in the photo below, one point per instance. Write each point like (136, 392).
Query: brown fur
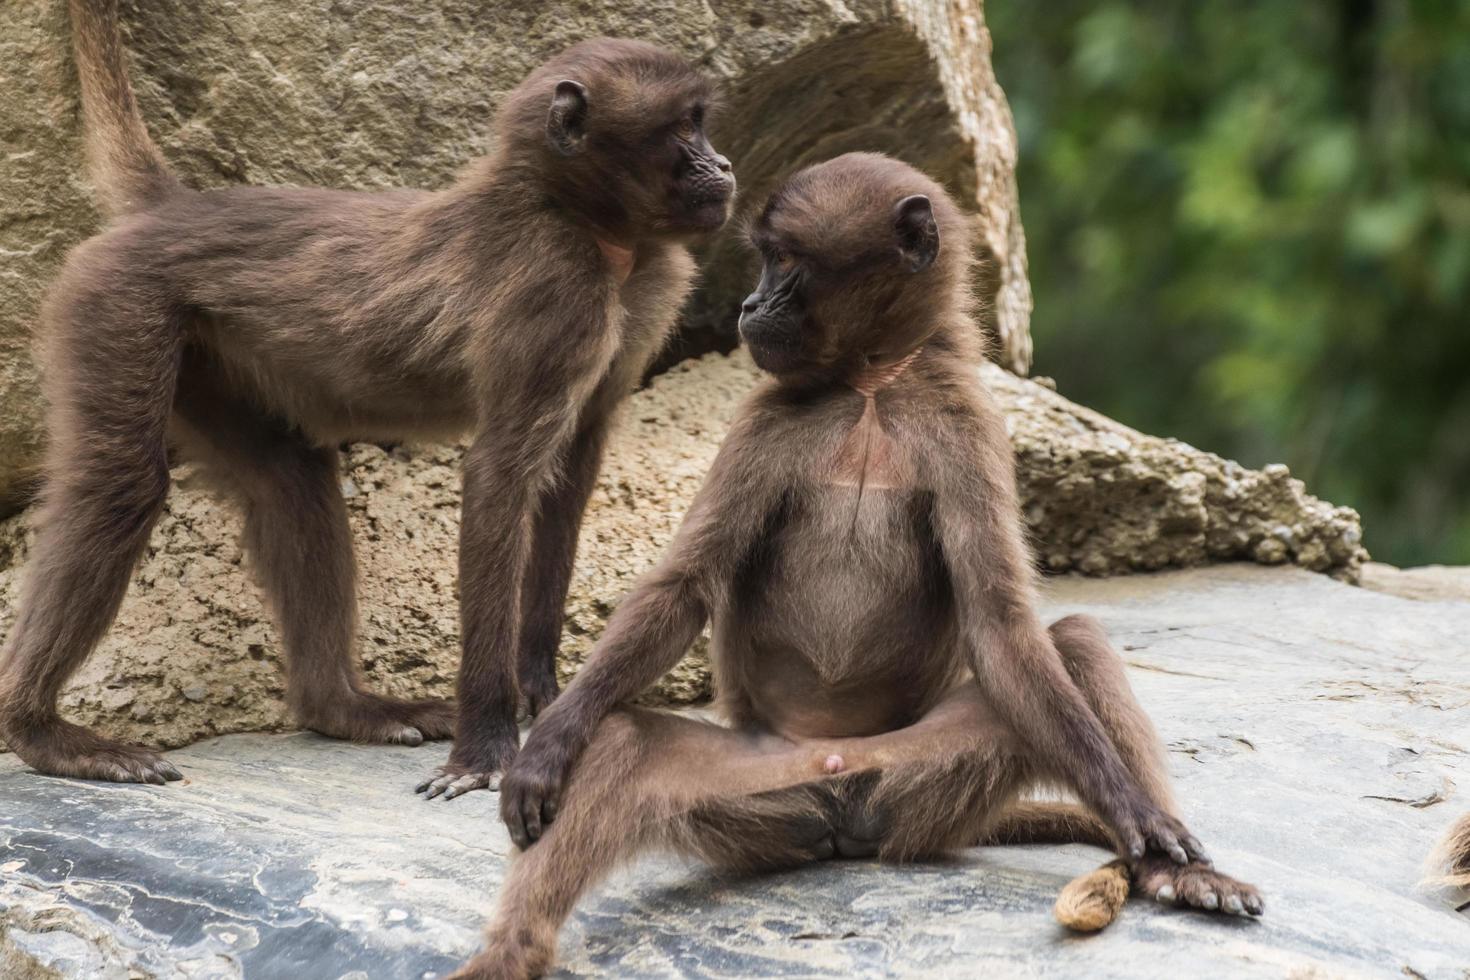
(1093, 901)
(1450, 861)
(888, 622)
(261, 327)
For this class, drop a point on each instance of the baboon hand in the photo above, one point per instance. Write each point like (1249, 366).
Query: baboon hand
(1151, 830)
(531, 791)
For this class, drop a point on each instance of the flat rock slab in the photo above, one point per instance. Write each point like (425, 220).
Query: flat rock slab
(1316, 731)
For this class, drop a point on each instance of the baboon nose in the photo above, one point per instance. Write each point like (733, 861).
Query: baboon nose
(723, 163)
(751, 304)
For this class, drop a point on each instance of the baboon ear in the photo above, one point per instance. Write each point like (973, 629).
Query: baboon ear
(566, 123)
(918, 232)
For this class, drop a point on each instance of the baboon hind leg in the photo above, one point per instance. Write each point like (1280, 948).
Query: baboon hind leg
(752, 805)
(106, 481)
(1098, 671)
(297, 534)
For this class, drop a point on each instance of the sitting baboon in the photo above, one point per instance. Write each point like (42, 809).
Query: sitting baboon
(858, 547)
(262, 327)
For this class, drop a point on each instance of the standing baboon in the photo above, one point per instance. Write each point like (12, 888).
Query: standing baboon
(264, 326)
(877, 653)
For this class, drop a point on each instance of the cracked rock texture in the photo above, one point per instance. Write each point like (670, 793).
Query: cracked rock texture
(192, 653)
(380, 93)
(1319, 736)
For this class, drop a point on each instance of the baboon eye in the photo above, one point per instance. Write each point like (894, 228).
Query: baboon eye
(685, 129)
(785, 261)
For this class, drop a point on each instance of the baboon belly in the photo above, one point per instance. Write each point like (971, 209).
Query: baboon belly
(848, 628)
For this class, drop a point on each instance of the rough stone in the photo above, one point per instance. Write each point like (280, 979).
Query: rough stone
(1319, 736)
(377, 93)
(193, 654)
(1104, 499)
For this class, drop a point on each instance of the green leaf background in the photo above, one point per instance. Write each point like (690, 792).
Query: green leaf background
(1249, 227)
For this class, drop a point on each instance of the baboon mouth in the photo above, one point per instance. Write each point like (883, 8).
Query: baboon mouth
(708, 199)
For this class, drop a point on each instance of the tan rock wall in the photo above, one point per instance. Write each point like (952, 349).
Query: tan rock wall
(382, 93)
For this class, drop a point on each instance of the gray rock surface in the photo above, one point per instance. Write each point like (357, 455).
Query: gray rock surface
(1425, 582)
(1318, 735)
(193, 654)
(380, 93)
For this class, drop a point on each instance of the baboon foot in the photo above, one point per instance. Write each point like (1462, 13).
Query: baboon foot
(59, 748)
(364, 717)
(1197, 886)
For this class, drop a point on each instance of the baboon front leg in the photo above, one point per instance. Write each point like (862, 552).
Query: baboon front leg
(553, 551)
(300, 543)
(107, 478)
(1098, 672)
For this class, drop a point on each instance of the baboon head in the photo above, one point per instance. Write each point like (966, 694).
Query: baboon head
(617, 130)
(863, 256)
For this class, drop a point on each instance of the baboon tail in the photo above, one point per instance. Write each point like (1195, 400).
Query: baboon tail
(1451, 859)
(1090, 902)
(125, 165)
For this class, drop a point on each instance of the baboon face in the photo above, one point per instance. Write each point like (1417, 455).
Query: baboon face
(845, 245)
(631, 123)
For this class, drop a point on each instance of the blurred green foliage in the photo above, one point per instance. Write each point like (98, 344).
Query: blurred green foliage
(1249, 227)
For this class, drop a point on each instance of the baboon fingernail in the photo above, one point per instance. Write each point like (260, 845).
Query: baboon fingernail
(1234, 905)
(1210, 901)
(1165, 894)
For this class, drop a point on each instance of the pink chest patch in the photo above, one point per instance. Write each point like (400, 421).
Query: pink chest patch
(869, 457)
(619, 260)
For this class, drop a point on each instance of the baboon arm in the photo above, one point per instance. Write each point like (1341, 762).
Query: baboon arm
(529, 416)
(1010, 651)
(648, 633)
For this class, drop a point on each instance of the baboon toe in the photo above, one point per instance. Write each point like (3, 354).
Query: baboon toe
(403, 735)
(450, 783)
(434, 718)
